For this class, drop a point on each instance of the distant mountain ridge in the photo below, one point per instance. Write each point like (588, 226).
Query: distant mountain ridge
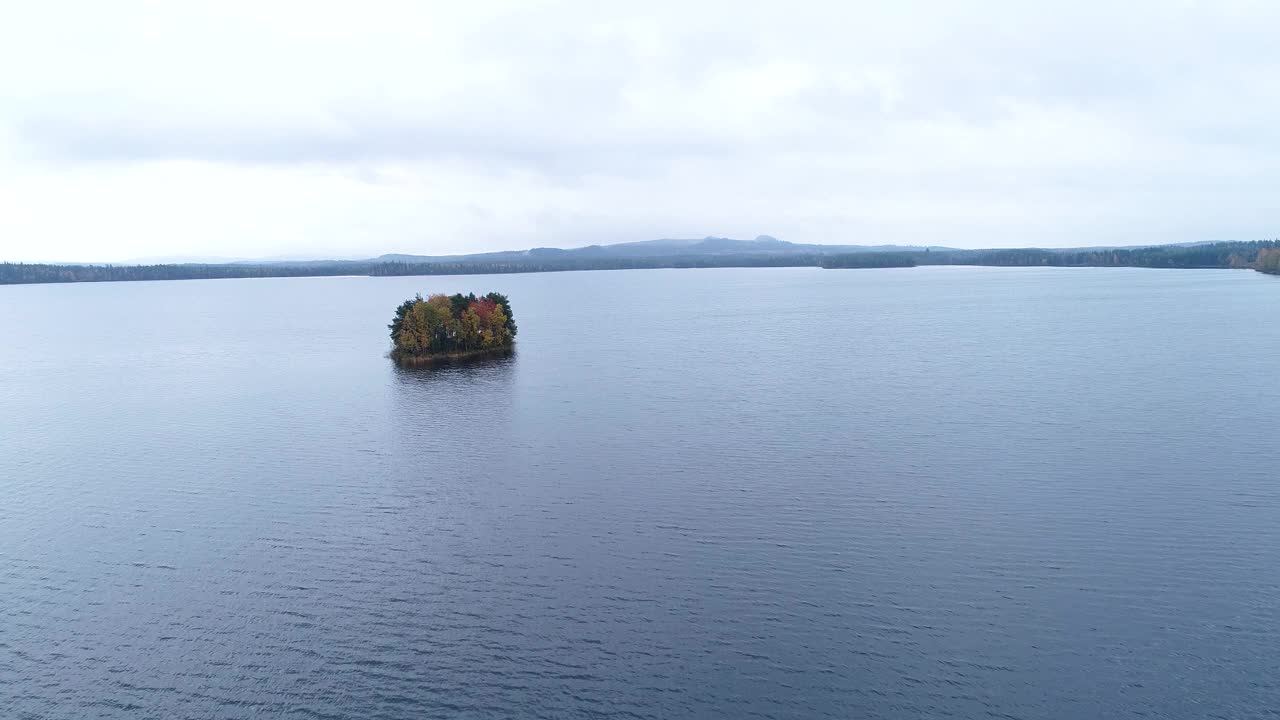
(711, 252)
(709, 246)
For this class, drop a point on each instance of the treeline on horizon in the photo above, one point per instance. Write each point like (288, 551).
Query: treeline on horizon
(18, 273)
(1261, 255)
(1268, 260)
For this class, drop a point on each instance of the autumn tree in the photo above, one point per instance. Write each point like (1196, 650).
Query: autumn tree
(502, 301)
(1268, 260)
(398, 322)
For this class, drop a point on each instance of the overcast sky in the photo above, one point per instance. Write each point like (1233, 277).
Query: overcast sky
(264, 129)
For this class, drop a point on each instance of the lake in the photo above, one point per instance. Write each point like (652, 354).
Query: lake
(735, 493)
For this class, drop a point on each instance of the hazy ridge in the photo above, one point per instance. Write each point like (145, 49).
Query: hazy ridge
(763, 251)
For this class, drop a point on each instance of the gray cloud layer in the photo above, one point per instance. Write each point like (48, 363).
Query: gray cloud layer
(258, 129)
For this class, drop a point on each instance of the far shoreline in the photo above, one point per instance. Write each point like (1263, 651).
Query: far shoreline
(1261, 257)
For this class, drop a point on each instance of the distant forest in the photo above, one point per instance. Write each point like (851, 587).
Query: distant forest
(1263, 256)
(1268, 260)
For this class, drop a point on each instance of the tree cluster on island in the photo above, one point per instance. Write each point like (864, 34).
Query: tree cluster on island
(451, 326)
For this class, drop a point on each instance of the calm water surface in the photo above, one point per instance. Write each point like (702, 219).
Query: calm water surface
(783, 493)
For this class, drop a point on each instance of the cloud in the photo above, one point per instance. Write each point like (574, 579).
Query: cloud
(148, 128)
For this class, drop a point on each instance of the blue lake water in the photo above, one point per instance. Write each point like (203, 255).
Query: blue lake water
(737, 493)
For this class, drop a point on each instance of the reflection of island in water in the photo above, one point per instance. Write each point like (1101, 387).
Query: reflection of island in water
(433, 403)
(460, 379)
(420, 368)
(452, 328)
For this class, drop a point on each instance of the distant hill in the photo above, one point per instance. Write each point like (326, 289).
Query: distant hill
(706, 247)
(711, 252)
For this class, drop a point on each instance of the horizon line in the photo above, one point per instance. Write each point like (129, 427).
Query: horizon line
(293, 258)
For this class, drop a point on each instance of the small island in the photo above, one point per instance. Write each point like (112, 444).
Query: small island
(452, 327)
